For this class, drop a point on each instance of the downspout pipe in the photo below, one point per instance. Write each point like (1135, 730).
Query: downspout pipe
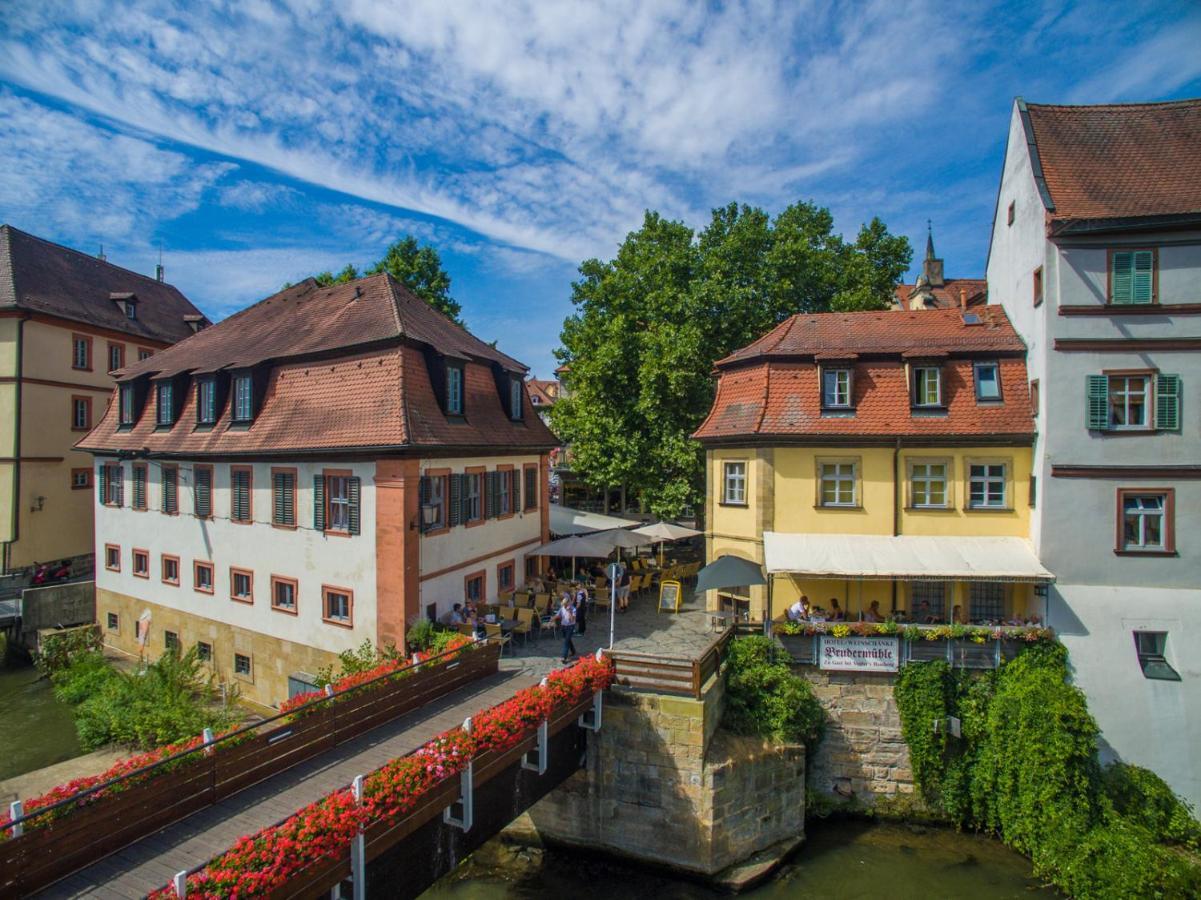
(896, 506)
(16, 496)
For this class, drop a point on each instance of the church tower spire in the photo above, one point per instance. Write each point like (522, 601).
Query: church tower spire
(931, 265)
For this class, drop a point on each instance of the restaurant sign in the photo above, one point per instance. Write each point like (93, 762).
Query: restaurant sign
(859, 654)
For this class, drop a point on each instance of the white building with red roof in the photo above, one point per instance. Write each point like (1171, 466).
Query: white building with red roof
(325, 467)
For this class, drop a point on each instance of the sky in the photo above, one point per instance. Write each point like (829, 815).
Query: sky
(257, 142)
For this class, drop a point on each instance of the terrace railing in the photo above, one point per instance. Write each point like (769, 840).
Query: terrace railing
(682, 676)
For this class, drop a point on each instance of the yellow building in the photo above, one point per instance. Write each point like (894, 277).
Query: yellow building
(67, 320)
(881, 458)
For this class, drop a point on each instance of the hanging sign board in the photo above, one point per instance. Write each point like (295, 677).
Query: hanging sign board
(859, 654)
(670, 596)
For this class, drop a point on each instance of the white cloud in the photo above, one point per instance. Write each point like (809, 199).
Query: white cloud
(256, 196)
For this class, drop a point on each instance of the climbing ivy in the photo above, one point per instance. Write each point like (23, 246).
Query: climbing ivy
(1025, 768)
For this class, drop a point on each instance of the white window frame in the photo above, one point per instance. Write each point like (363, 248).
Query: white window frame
(206, 401)
(337, 498)
(515, 395)
(987, 479)
(734, 482)
(927, 479)
(454, 391)
(473, 483)
(243, 398)
(166, 412)
(328, 612)
(126, 404)
(840, 397)
(920, 398)
(233, 586)
(996, 368)
(1143, 514)
(1125, 393)
(838, 472)
(81, 410)
(503, 499)
(81, 353)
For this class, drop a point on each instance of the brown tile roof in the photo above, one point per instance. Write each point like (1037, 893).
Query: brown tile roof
(771, 387)
(41, 277)
(975, 291)
(1120, 161)
(543, 391)
(307, 319)
(884, 332)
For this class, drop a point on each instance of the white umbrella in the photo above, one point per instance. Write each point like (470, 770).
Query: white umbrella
(595, 545)
(665, 531)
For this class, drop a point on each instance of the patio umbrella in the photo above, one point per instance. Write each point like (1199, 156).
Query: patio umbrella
(728, 572)
(597, 544)
(665, 531)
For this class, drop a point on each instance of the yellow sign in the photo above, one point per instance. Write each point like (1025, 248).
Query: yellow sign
(671, 596)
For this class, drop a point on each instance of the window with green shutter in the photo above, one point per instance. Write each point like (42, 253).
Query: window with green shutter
(139, 486)
(1132, 276)
(240, 486)
(170, 482)
(283, 498)
(319, 502)
(1167, 402)
(202, 491)
(456, 499)
(1098, 402)
(356, 492)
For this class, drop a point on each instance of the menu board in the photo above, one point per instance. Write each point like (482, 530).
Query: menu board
(670, 596)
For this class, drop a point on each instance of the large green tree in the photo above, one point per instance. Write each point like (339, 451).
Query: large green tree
(650, 323)
(417, 266)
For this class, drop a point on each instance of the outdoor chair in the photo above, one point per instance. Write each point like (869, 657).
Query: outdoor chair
(525, 623)
(494, 632)
(541, 602)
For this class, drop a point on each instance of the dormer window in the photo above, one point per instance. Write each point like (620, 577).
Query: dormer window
(243, 410)
(131, 309)
(454, 390)
(927, 386)
(206, 401)
(127, 303)
(515, 394)
(166, 403)
(127, 412)
(836, 388)
(988, 381)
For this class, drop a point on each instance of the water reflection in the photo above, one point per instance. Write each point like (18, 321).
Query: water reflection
(37, 730)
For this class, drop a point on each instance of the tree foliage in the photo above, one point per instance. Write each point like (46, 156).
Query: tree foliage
(764, 698)
(417, 266)
(650, 323)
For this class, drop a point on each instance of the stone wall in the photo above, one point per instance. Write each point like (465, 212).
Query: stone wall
(862, 756)
(665, 786)
(57, 605)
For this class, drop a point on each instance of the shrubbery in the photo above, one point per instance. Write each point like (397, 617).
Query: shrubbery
(765, 698)
(169, 701)
(1026, 768)
(424, 636)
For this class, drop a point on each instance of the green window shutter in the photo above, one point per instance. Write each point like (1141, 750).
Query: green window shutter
(355, 487)
(102, 481)
(202, 491)
(423, 500)
(1098, 402)
(1143, 281)
(1121, 277)
(119, 472)
(493, 494)
(456, 499)
(283, 501)
(1167, 403)
(515, 490)
(319, 502)
(139, 487)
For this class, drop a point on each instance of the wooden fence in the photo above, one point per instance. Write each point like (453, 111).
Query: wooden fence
(143, 801)
(671, 674)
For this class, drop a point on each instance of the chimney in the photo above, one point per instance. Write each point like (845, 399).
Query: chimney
(962, 298)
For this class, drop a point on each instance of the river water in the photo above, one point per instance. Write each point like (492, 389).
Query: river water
(842, 860)
(36, 730)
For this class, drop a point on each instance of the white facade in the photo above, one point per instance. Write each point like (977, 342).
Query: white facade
(1104, 594)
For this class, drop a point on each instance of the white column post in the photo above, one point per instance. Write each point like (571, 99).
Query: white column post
(358, 848)
(466, 794)
(15, 810)
(207, 736)
(180, 883)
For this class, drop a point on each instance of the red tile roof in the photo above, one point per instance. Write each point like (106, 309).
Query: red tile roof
(39, 276)
(542, 391)
(771, 388)
(1120, 161)
(975, 291)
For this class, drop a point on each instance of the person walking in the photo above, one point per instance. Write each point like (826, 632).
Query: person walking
(566, 617)
(581, 609)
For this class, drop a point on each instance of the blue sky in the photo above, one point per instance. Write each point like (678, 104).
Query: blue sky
(261, 141)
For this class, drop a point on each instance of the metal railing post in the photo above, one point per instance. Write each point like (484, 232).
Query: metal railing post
(15, 811)
(466, 794)
(358, 848)
(180, 883)
(596, 711)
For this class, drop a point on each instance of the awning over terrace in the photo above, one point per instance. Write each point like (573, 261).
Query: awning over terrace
(903, 557)
(564, 520)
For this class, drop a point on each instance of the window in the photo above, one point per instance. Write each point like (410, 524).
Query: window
(836, 388)
(336, 503)
(113, 622)
(283, 594)
(1038, 286)
(171, 641)
(170, 489)
(206, 401)
(127, 404)
(986, 601)
(116, 357)
(734, 490)
(927, 386)
(531, 567)
(987, 486)
(928, 600)
(241, 585)
(204, 651)
(141, 563)
(139, 485)
(112, 557)
(337, 605)
(170, 570)
(1009, 215)
(928, 485)
(202, 576)
(1146, 521)
(165, 393)
(144, 352)
(433, 501)
(837, 484)
(81, 479)
(504, 495)
(1128, 401)
(531, 486)
(504, 576)
(242, 665)
(337, 489)
(243, 399)
(1133, 401)
(81, 413)
(988, 381)
(454, 391)
(1034, 397)
(112, 484)
(81, 352)
(1132, 276)
(283, 498)
(131, 309)
(516, 392)
(472, 505)
(240, 485)
(1151, 647)
(202, 491)
(474, 587)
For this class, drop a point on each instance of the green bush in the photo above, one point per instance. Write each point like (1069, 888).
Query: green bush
(765, 699)
(88, 675)
(1026, 768)
(59, 648)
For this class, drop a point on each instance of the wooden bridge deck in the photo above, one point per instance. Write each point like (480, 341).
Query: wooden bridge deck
(151, 862)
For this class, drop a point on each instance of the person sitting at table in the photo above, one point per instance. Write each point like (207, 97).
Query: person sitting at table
(456, 615)
(837, 614)
(924, 614)
(799, 611)
(957, 615)
(873, 613)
